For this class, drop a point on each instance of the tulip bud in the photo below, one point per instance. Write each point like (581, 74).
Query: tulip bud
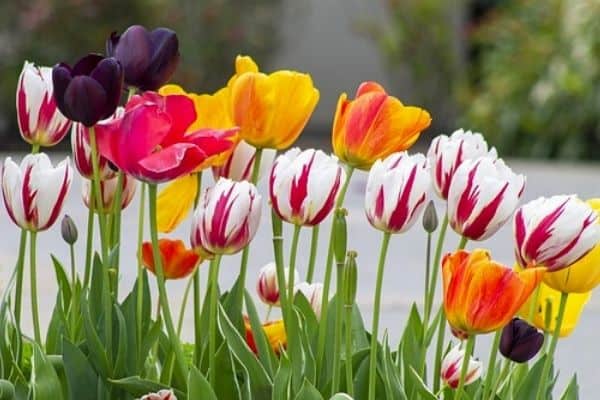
(350, 278)
(160, 395)
(304, 186)
(452, 366)
(397, 191)
(340, 235)
(109, 187)
(430, 218)
(267, 286)
(520, 342)
(68, 230)
(240, 164)
(313, 293)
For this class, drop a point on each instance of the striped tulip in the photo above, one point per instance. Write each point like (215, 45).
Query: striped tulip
(447, 153)
(35, 191)
(313, 293)
(483, 195)
(304, 186)
(554, 232)
(397, 191)
(40, 121)
(452, 366)
(160, 395)
(240, 164)
(108, 187)
(267, 286)
(227, 217)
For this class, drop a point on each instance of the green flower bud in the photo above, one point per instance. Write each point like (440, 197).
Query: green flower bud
(340, 235)
(351, 278)
(430, 218)
(68, 230)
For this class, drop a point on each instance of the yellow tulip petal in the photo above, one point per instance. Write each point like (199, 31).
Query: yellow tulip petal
(213, 110)
(171, 89)
(175, 202)
(245, 64)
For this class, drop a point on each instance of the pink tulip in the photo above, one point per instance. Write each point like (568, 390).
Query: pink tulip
(267, 286)
(452, 366)
(240, 163)
(108, 187)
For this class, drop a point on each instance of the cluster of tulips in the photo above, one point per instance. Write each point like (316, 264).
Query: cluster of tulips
(99, 347)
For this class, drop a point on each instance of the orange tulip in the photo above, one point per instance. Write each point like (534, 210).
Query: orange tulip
(275, 332)
(177, 261)
(480, 295)
(374, 125)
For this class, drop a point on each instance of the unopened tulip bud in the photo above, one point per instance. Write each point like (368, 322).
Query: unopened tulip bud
(430, 218)
(313, 293)
(267, 286)
(520, 342)
(160, 395)
(68, 230)
(452, 366)
(351, 278)
(340, 235)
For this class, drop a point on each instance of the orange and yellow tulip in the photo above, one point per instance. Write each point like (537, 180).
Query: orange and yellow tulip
(275, 332)
(177, 260)
(374, 125)
(481, 295)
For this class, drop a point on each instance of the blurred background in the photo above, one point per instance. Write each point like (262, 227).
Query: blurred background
(526, 73)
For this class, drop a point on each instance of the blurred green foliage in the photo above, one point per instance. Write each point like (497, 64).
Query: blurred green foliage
(211, 34)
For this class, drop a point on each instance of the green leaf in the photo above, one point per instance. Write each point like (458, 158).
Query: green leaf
(97, 353)
(265, 352)
(283, 378)
(138, 387)
(392, 377)
(95, 295)
(64, 286)
(341, 396)
(572, 390)
(198, 386)
(122, 351)
(81, 377)
(44, 380)
(308, 392)
(530, 384)
(420, 386)
(412, 354)
(226, 386)
(7, 390)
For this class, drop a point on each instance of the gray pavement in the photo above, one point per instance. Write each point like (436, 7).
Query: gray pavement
(404, 270)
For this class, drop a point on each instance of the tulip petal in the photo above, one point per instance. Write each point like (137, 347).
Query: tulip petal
(172, 162)
(175, 202)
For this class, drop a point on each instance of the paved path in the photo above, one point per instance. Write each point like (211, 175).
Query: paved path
(404, 271)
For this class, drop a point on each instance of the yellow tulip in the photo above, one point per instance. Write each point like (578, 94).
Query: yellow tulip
(583, 275)
(175, 202)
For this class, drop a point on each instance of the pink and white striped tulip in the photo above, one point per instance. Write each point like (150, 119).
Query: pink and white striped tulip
(240, 164)
(267, 286)
(397, 190)
(108, 187)
(40, 121)
(35, 191)
(452, 366)
(304, 186)
(82, 154)
(554, 232)
(313, 293)
(483, 195)
(160, 395)
(227, 217)
(447, 153)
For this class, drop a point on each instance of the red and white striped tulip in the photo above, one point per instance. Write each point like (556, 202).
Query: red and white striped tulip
(452, 366)
(108, 187)
(313, 293)
(40, 121)
(240, 164)
(35, 191)
(160, 395)
(227, 217)
(397, 190)
(267, 286)
(554, 232)
(447, 153)
(304, 186)
(483, 195)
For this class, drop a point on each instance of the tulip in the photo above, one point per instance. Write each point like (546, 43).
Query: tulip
(89, 91)
(430, 218)
(520, 342)
(480, 295)
(177, 261)
(227, 217)
(547, 306)
(452, 365)
(554, 232)
(271, 110)
(40, 121)
(483, 195)
(240, 164)
(374, 125)
(274, 331)
(397, 191)
(150, 142)
(267, 286)
(447, 153)
(68, 230)
(304, 186)
(108, 187)
(160, 395)
(313, 293)
(35, 191)
(149, 59)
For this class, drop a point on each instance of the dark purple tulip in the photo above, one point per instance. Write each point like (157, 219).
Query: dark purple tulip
(520, 342)
(90, 91)
(148, 58)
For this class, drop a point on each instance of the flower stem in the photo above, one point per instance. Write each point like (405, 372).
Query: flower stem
(499, 380)
(140, 270)
(184, 301)
(492, 363)
(256, 166)
(550, 354)
(427, 278)
(465, 366)
(34, 297)
(115, 231)
(463, 243)
(314, 244)
(73, 288)
(339, 318)
(292, 269)
(89, 241)
(197, 312)
(349, 371)
(268, 315)
(436, 265)
(376, 308)
(439, 348)
(212, 328)
(160, 280)
(19, 284)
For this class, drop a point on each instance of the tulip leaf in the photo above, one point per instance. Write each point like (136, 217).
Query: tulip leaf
(7, 390)
(361, 380)
(392, 379)
(96, 284)
(64, 287)
(81, 377)
(282, 380)
(44, 379)
(529, 385)
(199, 387)
(56, 328)
(139, 387)
(226, 386)
(265, 352)
(97, 353)
(413, 351)
(572, 390)
(308, 392)
(121, 356)
(421, 387)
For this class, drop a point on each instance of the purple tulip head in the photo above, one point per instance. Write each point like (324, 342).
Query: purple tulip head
(148, 58)
(520, 342)
(90, 90)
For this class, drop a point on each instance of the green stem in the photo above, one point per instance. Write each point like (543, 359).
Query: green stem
(198, 188)
(160, 280)
(140, 271)
(186, 294)
(212, 327)
(256, 166)
(19, 284)
(268, 315)
(439, 348)
(115, 232)
(197, 312)
(550, 354)
(339, 317)
(500, 379)
(34, 297)
(349, 371)
(425, 308)
(463, 243)
(376, 308)
(89, 241)
(436, 265)
(492, 363)
(292, 269)
(465, 366)
(314, 244)
(35, 148)
(73, 289)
